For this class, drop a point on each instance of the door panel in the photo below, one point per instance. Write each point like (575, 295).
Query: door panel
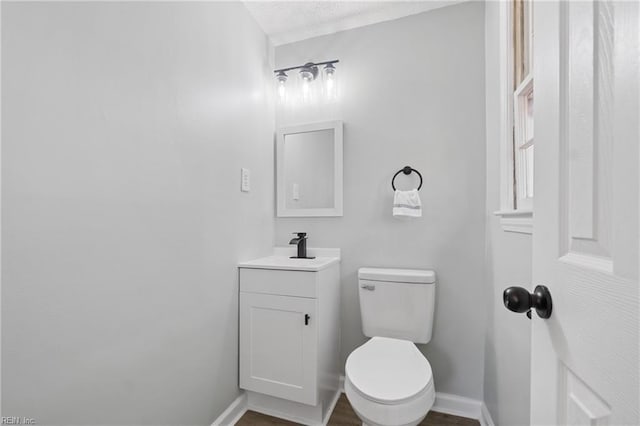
(582, 405)
(278, 346)
(585, 362)
(587, 144)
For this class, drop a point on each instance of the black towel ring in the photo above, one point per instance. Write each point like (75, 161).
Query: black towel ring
(407, 171)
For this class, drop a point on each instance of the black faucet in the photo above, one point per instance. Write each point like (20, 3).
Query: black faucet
(301, 241)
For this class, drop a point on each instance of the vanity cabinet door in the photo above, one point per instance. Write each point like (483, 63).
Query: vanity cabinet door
(278, 346)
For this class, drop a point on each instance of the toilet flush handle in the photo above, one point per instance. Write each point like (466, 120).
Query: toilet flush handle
(369, 287)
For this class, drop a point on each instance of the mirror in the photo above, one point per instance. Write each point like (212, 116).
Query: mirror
(309, 170)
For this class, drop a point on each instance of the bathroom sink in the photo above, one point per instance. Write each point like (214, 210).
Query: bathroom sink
(281, 259)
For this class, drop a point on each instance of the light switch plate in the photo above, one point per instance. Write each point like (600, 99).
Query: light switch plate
(245, 180)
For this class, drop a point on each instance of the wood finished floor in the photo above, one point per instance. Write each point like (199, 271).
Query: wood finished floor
(343, 415)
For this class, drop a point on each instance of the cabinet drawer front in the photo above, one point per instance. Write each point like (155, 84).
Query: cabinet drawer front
(273, 281)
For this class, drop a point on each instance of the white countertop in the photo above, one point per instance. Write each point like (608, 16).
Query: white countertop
(281, 260)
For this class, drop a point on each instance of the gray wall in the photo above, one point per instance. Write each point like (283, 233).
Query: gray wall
(124, 129)
(412, 92)
(508, 338)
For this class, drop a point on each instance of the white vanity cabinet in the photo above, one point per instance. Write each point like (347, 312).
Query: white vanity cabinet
(289, 336)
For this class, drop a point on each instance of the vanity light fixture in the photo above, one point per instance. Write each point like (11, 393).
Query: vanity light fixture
(308, 73)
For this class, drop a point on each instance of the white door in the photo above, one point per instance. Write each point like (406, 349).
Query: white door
(585, 365)
(278, 346)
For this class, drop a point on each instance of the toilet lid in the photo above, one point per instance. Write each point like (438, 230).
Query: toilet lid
(388, 371)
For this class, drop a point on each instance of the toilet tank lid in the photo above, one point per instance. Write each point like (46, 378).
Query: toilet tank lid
(418, 276)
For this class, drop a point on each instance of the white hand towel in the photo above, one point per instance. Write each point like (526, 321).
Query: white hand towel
(407, 204)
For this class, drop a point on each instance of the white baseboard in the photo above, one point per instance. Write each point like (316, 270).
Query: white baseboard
(240, 405)
(444, 403)
(334, 401)
(485, 416)
(457, 405)
(232, 414)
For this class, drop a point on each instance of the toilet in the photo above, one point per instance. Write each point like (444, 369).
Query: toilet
(388, 381)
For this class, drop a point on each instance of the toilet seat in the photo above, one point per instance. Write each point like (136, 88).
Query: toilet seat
(389, 371)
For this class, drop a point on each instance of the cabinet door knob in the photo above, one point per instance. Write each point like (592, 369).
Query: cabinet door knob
(306, 319)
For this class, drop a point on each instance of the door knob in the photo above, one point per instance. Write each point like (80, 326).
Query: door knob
(518, 299)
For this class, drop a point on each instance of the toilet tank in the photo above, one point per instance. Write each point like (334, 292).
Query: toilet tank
(397, 303)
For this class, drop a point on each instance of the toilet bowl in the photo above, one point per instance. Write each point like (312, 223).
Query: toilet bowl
(387, 380)
(389, 383)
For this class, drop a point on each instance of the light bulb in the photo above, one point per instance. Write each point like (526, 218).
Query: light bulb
(306, 88)
(308, 73)
(282, 88)
(282, 91)
(329, 76)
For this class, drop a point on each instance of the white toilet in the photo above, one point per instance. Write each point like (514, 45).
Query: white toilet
(387, 380)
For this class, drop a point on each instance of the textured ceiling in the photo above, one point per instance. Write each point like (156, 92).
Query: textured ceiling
(289, 21)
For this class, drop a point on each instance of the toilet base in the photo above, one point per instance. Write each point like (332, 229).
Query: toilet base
(409, 413)
(414, 423)
(408, 424)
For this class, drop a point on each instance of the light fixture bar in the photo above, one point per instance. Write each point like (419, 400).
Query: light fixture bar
(306, 65)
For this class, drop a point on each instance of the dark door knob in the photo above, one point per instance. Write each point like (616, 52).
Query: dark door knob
(518, 299)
